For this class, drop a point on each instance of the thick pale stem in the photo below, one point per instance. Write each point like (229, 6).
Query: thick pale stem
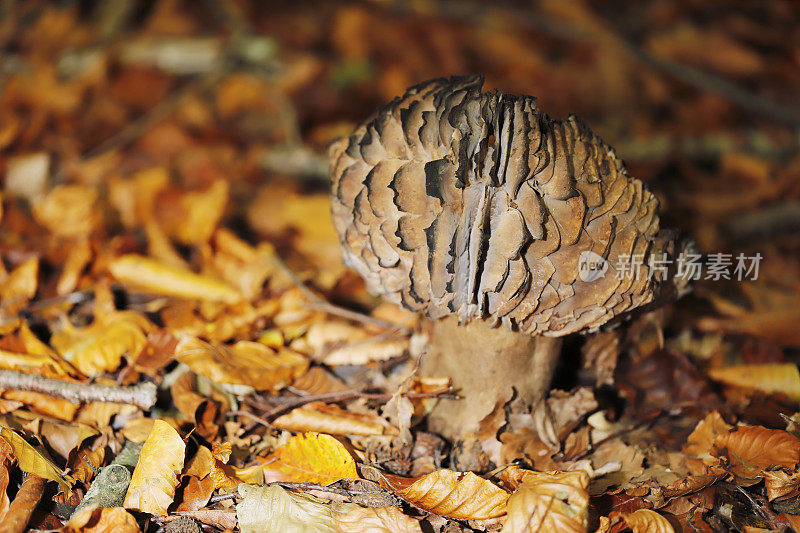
(484, 364)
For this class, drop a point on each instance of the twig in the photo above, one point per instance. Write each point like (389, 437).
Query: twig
(262, 421)
(341, 396)
(222, 497)
(142, 395)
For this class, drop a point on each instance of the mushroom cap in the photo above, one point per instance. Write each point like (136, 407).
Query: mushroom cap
(451, 201)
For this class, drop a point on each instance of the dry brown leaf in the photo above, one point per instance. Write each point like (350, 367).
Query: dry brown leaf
(19, 286)
(5, 502)
(780, 485)
(99, 347)
(336, 342)
(647, 521)
(699, 444)
(750, 450)
(194, 493)
(331, 419)
(310, 457)
(159, 278)
(102, 520)
(549, 502)
(459, 495)
(768, 378)
(155, 477)
(32, 461)
(200, 464)
(68, 211)
(244, 363)
(317, 381)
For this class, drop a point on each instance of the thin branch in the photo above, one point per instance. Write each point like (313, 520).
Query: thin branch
(142, 395)
(341, 396)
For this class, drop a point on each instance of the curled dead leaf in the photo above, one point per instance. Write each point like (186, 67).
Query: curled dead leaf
(331, 419)
(750, 450)
(647, 521)
(459, 495)
(549, 502)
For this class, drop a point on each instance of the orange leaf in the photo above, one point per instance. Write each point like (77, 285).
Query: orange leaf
(102, 520)
(459, 495)
(750, 450)
(68, 210)
(647, 521)
(19, 286)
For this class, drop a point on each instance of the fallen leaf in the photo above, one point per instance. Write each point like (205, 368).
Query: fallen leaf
(99, 347)
(68, 211)
(768, 378)
(244, 363)
(192, 216)
(102, 520)
(549, 502)
(458, 495)
(80, 253)
(159, 278)
(155, 477)
(750, 450)
(32, 461)
(331, 419)
(19, 286)
(26, 175)
(135, 197)
(272, 508)
(313, 458)
(647, 521)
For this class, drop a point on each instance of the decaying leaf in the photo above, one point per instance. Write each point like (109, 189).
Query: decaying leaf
(315, 458)
(549, 502)
(244, 363)
(459, 495)
(32, 461)
(155, 477)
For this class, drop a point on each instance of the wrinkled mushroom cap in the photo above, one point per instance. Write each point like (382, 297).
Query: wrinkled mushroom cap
(451, 201)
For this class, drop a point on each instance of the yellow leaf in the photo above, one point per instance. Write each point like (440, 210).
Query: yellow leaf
(647, 521)
(32, 461)
(331, 419)
(19, 286)
(80, 253)
(160, 278)
(549, 502)
(68, 210)
(102, 520)
(155, 477)
(134, 198)
(769, 378)
(459, 495)
(313, 458)
(244, 363)
(99, 347)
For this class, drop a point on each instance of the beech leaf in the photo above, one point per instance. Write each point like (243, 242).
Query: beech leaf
(549, 502)
(155, 477)
(32, 461)
(647, 521)
(459, 495)
(310, 457)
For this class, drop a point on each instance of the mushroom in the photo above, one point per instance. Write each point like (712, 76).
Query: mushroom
(507, 228)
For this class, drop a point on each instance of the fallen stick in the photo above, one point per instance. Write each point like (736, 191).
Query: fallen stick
(142, 395)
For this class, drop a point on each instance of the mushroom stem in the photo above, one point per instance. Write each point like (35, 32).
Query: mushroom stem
(484, 363)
